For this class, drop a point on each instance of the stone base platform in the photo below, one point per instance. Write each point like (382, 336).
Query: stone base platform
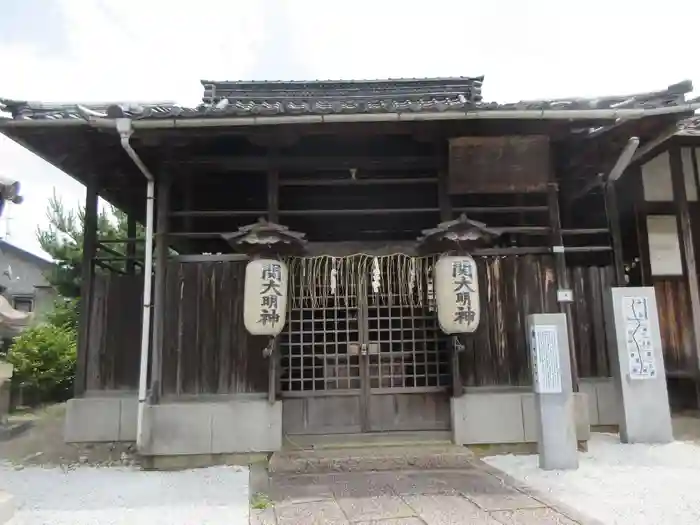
(388, 458)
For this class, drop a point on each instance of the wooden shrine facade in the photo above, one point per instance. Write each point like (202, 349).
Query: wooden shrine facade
(362, 169)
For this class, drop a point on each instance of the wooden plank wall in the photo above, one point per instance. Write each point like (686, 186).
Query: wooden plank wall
(115, 332)
(206, 348)
(208, 351)
(511, 289)
(673, 303)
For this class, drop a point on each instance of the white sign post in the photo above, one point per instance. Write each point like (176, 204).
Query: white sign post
(554, 400)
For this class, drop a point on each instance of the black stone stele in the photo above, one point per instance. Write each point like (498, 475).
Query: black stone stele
(266, 238)
(459, 235)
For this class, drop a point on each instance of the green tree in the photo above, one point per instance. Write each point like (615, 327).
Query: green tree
(63, 240)
(44, 360)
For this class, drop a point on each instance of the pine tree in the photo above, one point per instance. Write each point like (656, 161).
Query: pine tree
(63, 241)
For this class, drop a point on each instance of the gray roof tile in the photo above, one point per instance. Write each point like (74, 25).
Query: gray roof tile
(323, 97)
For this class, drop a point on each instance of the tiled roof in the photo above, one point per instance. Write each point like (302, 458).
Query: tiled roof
(278, 98)
(690, 127)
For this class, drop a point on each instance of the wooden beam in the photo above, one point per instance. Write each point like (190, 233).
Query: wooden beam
(267, 163)
(640, 222)
(613, 214)
(357, 211)
(161, 264)
(87, 284)
(685, 230)
(384, 181)
(107, 267)
(654, 143)
(131, 245)
(562, 277)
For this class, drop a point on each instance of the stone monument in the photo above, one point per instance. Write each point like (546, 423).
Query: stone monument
(5, 377)
(638, 365)
(554, 400)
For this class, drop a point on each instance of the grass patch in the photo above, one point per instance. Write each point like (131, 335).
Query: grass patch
(260, 501)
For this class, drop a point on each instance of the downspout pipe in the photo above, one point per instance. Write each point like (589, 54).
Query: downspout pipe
(125, 129)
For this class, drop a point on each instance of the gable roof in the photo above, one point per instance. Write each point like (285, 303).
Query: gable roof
(24, 254)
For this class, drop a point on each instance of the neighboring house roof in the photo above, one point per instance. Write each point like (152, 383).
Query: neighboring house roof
(690, 127)
(328, 97)
(24, 254)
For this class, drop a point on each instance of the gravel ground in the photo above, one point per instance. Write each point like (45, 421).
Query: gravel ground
(126, 496)
(55, 483)
(43, 444)
(621, 484)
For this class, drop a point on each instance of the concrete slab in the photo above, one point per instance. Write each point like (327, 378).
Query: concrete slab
(7, 507)
(589, 388)
(92, 420)
(318, 513)
(609, 406)
(532, 517)
(262, 517)
(473, 421)
(438, 509)
(397, 521)
(246, 426)
(172, 435)
(437, 497)
(370, 459)
(128, 415)
(581, 417)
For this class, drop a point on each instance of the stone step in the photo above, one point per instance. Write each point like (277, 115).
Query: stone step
(375, 458)
(7, 507)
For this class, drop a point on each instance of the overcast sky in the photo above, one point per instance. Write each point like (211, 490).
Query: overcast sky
(112, 50)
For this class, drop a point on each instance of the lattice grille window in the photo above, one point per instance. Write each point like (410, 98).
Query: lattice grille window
(383, 305)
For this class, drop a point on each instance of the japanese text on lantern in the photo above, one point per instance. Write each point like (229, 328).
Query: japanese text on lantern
(463, 280)
(270, 292)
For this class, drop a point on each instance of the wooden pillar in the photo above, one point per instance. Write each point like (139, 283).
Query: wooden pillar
(161, 262)
(562, 278)
(273, 191)
(87, 284)
(613, 214)
(273, 215)
(131, 245)
(640, 223)
(444, 197)
(685, 230)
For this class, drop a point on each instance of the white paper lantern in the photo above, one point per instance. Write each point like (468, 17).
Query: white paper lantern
(456, 286)
(265, 296)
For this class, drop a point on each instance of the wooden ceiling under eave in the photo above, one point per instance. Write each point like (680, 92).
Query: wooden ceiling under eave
(581, 159)
(83, 152)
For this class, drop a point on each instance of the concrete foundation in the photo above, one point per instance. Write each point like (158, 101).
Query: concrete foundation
(218, 425)
(238, 425)
(226, 426)
(603, 401)
(489, 416)
(101, 419)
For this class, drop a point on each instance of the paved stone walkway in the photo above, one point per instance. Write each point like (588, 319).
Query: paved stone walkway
(479, 495)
